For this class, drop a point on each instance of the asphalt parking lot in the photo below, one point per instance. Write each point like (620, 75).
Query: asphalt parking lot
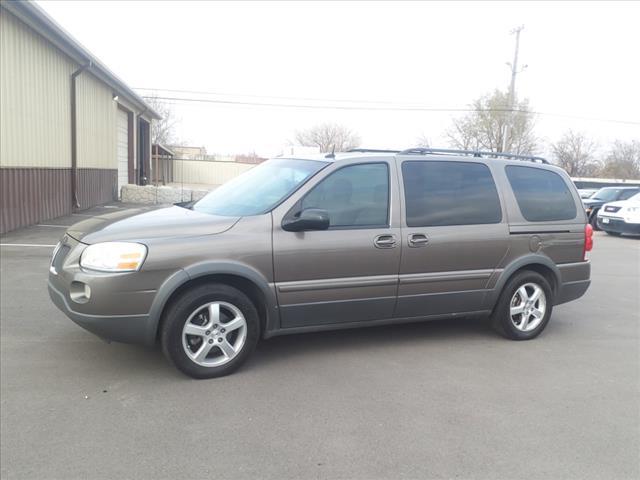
(432, 400)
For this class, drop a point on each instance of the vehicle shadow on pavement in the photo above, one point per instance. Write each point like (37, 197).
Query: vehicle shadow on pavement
(149, 362)
(422, 334)
(136, 360)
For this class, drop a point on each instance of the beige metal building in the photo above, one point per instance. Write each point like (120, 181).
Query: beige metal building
(71, 132)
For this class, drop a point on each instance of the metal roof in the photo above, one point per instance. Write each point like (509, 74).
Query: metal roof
(41, 22)
(162, 149)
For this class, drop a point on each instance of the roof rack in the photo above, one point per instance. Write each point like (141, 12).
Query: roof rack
(475, 153)
(371, 150)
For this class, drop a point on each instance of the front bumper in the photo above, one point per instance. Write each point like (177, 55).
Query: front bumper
(618, 225)
(119, 328)
(123, 307)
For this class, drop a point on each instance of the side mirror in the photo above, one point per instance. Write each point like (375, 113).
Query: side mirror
(309, 219)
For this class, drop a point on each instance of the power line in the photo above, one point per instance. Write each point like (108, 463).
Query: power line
(314, 99)
(591, 119)
(331, 107)
(417, 108)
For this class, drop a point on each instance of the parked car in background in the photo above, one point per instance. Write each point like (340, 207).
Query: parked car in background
(328, 242)
(623, 217)
(586, 192)
(594, 203)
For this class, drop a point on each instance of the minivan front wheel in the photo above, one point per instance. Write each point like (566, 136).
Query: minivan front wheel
(524, 307)
(210, 331)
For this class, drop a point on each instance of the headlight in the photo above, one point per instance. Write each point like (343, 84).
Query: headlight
(113, 257)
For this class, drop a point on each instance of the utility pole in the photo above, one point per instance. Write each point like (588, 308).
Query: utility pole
(512, 86)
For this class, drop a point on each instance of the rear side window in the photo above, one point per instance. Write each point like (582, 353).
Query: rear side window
(449, 193)
(542, 195)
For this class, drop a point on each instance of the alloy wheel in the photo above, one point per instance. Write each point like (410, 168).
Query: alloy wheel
(214, 334)
(527, 307)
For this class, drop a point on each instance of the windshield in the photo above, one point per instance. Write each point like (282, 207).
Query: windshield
(260, 189)
(586, 193)
(606, 194)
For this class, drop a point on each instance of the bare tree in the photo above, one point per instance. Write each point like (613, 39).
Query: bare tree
(623, 161)
(575, 152)
(163, 131)
(423, 141)
(328, 136)
(484, 128)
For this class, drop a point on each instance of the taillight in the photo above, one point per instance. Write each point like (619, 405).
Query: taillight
(588, 240)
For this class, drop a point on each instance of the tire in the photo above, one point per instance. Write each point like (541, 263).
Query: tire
(210, 331)
(593, 220)
(615, 234)
(512, 296)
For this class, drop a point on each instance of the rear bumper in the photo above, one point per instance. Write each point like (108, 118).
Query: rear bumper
(575, 279)
(617, 225)
(119, 328)
(571, 291)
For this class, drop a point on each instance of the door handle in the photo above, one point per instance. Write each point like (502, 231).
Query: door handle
(385, 241)
(417, 240)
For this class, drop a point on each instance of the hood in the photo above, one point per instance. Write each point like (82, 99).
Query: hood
(622, 204)
(588, 202)
(142, 224)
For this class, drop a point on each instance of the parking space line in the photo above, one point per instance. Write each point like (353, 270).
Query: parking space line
(25, 245)
(53, 226)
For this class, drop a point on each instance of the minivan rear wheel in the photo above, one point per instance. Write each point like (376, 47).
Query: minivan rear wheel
(524, 307)
(210, 331)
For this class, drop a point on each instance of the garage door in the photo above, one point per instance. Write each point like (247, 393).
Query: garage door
(123, 150)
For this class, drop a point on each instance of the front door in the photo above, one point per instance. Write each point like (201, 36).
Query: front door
(455, 234)
(348, 273)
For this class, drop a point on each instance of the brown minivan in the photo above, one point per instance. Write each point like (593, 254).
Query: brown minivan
(326, 242)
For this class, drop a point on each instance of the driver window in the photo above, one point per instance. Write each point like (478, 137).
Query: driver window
(354, 196)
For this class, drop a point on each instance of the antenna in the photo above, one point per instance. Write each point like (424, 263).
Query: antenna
(333, 152)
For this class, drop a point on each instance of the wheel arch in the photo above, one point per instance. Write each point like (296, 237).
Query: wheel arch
(537, 263)
(244, 278)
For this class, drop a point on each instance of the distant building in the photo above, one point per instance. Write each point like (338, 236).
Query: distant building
(250, 158)
(189, 153)
(72, 133)
(292, 150)
(589, 182)
(200, 153)
(163, 164)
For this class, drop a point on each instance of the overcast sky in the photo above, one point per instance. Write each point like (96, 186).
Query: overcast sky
(582, 61)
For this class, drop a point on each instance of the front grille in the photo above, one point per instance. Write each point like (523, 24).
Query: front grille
(612, 209)
(619, 225)
(58, 257)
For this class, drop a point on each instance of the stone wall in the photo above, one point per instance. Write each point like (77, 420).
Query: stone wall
(149, 194)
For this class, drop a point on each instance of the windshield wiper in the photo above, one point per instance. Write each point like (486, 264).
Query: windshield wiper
(188, 205)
